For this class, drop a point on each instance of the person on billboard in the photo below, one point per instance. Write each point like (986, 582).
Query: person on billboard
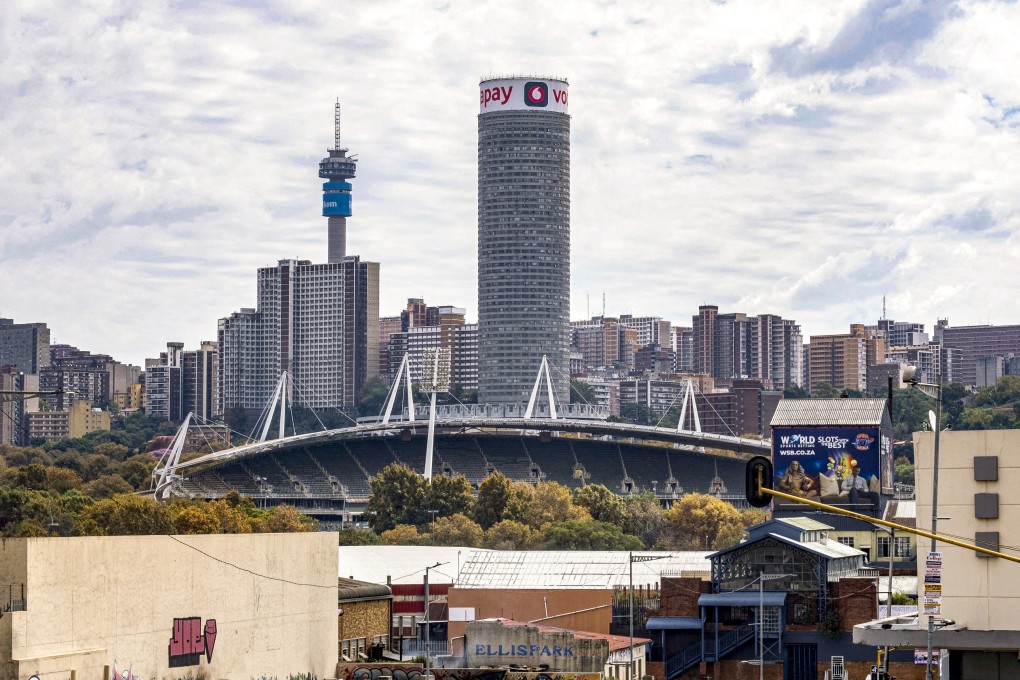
(857, 488)
(796, 482)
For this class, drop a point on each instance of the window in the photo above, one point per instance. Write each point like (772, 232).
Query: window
(846, 540)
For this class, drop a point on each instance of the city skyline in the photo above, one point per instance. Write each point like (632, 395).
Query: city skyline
(795, 159)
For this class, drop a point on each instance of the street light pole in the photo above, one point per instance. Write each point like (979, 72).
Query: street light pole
(936, 426)
(631, 559)
(428, 625)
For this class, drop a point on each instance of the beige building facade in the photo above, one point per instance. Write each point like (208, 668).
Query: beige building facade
(77, 421)
(978, 622)
(218, 606)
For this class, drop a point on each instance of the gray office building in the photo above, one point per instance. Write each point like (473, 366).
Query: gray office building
(523, 237)
(25, 345)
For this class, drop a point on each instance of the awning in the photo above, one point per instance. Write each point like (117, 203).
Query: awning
(744, 598)
(673, 623)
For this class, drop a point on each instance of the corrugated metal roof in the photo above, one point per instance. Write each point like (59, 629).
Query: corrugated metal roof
(351, 589)
(573, 569)
(828, 412)
(804, 523)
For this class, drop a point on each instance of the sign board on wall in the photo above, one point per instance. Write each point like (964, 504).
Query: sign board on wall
(522, 94)
(491, 643)
(818, 462)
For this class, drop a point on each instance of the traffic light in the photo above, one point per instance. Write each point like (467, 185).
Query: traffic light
(759, 476)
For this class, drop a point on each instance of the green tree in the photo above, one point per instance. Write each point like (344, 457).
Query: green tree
(702, 522)
(193, 518)
(493, 497)
(286, 519)
(398, 497)
(519, 505)
(509, 535)
(795, 392)
(975, 419)
(645, 516)
(602, 504)
(750, 517)
(457, 530)
(582, 393)
(552, 503)
(824, 390)
(106, 486)
(587, 535)
(903, 470)
(372, 398)
(127, 515)
(355, 536)
(637, 414)
(402, 534)
(449, 496)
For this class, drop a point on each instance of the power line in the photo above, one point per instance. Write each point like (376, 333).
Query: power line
(249, 571)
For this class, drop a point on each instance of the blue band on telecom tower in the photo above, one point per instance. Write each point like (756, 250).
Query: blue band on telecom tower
(336, 205)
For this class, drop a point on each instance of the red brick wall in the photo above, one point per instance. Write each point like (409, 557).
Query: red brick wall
(679, 596)
(855, 598)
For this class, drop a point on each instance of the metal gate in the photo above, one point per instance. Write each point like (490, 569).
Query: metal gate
(800, 662)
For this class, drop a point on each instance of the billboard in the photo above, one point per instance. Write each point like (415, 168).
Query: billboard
(522, 94)
(846, 466)
(336, 205)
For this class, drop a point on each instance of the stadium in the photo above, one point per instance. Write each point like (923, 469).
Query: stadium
(328, 474)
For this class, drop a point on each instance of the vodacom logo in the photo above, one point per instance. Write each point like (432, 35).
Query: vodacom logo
(536, 94)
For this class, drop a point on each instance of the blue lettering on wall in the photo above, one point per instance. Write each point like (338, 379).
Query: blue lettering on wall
(522, 650)
(479, 649)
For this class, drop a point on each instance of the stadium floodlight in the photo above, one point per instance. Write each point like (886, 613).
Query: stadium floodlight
(439, 359)
(439, 365)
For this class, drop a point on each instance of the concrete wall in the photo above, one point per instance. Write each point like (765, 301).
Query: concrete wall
(227, 606)
(589, 610)
(977, 592)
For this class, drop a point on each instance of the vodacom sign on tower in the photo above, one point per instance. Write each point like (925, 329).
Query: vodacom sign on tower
(519, 94)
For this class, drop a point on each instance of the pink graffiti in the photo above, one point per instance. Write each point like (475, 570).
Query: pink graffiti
(126, 676)
(189, 641)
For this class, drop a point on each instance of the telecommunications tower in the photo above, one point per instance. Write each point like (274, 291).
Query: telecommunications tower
(523, 237)
(336, 169)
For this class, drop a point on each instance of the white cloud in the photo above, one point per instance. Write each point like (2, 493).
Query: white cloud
(774, 157)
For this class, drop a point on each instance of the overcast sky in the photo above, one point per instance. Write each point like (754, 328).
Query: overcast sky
(801, 158)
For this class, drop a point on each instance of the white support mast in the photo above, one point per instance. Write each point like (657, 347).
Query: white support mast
(689, 397)
(543, 369)
(439, 362)
(279, 397)
(168, 463)
(403, 372)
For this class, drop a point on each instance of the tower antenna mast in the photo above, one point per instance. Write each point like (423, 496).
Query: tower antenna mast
(336, 125)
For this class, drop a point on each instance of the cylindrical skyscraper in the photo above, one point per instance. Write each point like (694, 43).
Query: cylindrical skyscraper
(336, 193)
(523, 237)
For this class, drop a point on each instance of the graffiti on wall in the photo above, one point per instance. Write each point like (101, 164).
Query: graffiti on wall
(373, 671)
(504, 674)
(123, 676)
(190, 641)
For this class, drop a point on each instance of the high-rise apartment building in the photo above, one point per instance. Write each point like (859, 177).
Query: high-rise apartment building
(974, 342)
(200, 382)
(14, 413)
(74, 374)
(24, 345)
(704, 339)
(523, 237)
(842, 360)
(446, 329)
(682, 342)
(736, 346)
(318, 322)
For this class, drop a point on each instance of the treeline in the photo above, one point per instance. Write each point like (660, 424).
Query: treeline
(405, 509)
(54, 491)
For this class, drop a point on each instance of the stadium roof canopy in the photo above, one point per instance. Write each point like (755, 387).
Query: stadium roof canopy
(829, 412)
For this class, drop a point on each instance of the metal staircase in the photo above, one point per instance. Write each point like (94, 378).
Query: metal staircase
(695, 654)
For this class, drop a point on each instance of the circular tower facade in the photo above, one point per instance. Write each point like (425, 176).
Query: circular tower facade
(523, 237)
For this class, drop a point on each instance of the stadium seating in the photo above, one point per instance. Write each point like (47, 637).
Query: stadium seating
(336, 459)
(508, 455)
(269, 470)
(373, 454)
(601, 460)
(462, 456)
(555, 459)
(644, 465)
(301, 465)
